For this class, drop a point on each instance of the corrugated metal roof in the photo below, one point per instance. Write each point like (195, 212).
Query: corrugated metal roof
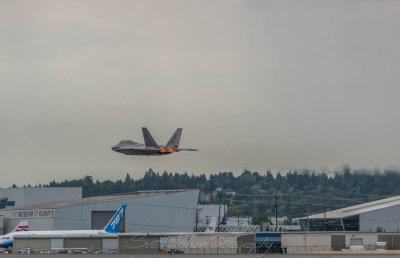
(89, 200)
(358, 209)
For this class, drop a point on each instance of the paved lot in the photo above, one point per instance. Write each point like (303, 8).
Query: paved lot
(202, 256)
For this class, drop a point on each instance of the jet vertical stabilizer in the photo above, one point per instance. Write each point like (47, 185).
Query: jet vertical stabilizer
(22, 226)
(148, 139)
(115, 222)
(175, 138)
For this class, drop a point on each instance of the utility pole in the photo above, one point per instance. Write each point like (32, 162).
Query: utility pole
(225, 215)
(325, 210)
(253, 210)
(308, 212)
(276, 215)
(197, 220)
(219, 209)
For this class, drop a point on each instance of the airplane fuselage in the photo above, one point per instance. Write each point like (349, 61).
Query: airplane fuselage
(8, 240)
(134, 148)
(150, 147)
(111, 228)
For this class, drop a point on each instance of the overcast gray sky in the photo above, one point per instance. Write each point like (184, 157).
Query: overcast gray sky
(256, 84)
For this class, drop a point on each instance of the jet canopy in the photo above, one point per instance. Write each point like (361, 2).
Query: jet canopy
(125, 141)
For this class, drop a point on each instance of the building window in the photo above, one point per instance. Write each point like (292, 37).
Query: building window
(3, 203)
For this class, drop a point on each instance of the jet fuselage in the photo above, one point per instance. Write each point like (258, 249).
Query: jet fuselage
(150, 147)
(134, 148)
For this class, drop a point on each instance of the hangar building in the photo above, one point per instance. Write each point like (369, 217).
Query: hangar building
(157, 211)
(377, 216)
(23, 196)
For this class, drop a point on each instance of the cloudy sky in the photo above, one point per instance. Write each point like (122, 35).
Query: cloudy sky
(262, 85)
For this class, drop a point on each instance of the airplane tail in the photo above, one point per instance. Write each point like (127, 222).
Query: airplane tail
(175, 138)
(22, 226)
(148, 139)
(115, 222)
(212, 224)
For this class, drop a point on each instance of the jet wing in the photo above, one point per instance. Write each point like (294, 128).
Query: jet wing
(186, 149)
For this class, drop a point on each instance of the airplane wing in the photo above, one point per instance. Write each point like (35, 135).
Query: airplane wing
(186, 149)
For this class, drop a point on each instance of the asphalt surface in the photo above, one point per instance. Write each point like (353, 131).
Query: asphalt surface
(202, 256)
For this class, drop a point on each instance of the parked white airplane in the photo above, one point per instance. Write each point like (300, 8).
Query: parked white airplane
(7, 239)
(111, 228)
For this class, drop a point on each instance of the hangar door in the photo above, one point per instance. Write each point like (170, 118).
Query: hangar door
(338, 242)
(101, 218)
(356, 241)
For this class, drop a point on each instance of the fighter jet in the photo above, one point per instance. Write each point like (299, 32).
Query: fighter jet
(150, 147)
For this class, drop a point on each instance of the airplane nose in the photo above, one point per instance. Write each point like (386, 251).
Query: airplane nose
(114, 148)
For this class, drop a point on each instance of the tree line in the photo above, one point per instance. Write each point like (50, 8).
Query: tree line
(298, 193)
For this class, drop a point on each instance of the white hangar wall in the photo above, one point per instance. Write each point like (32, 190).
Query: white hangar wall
(158, 212)
(388, 219)
(23, 196)
(38, 219)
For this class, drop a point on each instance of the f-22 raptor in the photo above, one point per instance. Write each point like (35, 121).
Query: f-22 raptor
(150, 147)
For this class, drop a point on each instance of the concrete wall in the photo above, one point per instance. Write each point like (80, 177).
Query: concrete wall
(392, 240)
(387, 218)
(139, 245)
(41, 243)
(34, 244)
(368, 240)
(90, 243)
(319, 241)
(110, 243)
(209, 244)
(305, 242)
(246, 243)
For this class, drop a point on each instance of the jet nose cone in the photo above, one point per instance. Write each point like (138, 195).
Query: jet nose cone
(115, 148)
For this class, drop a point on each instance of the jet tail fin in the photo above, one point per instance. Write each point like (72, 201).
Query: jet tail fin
(22, 226)
(113, 225)
(148, 139)
(212, 224)
(175, 138)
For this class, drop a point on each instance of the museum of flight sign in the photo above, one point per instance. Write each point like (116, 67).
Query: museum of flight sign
(45, 213)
